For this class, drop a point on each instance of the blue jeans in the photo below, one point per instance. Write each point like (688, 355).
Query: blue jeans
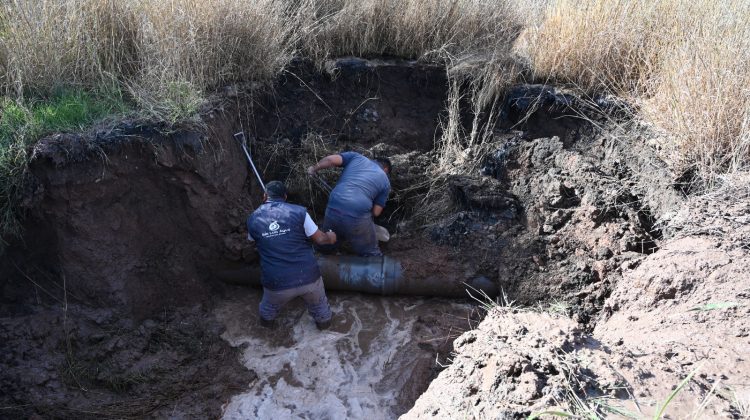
(314, 295)
(358, 231)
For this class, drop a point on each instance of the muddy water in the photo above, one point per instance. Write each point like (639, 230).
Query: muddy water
(376, 359)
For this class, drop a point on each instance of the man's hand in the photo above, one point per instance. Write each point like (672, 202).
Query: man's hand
(376, 210)
(324, 238)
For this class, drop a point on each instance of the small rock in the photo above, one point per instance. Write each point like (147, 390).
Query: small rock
(603, 253)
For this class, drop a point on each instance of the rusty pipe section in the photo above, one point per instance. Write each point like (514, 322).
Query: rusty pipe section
(378, 275)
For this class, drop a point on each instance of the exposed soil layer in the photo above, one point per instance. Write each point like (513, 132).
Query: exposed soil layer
(130, 224)
(681, 312)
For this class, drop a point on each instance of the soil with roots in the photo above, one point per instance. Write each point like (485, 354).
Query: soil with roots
(614, 286)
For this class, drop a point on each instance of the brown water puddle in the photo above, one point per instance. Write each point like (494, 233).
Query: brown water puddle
(376, 359)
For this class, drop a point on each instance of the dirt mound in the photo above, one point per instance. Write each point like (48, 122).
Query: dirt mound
(516, 363)
(687, 306)
(546, 220)
(680, 312)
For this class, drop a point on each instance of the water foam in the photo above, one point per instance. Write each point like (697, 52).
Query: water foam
(354, 370)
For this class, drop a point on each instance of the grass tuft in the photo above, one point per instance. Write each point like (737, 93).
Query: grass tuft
(673, 394)
(22, 123)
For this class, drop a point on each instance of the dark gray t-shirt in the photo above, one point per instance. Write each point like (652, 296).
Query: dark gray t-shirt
(362, 184)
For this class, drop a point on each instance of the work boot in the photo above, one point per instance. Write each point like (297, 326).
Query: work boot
(267, 323)
(323, 325)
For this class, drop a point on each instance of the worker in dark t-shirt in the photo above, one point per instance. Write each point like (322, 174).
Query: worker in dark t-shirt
(359, 195)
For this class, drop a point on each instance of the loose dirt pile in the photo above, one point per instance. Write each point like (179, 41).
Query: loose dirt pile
(514, 363)
(681, 311)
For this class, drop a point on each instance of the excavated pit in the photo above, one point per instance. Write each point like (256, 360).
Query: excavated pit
(112, 307)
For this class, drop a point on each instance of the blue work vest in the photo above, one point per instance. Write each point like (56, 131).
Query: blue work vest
(286, 254)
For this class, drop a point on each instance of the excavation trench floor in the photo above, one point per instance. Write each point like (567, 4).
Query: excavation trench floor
(379, 355)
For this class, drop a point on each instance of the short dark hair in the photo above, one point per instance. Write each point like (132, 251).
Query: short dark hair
(275, 189)
(384, 163)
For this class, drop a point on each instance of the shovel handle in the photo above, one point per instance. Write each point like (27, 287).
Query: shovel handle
(241, 138)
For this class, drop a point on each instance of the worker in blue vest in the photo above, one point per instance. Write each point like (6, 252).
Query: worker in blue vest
(281, 232)
(359, 195)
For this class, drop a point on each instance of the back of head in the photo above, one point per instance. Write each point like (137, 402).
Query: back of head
(276, 190)
(384, 163)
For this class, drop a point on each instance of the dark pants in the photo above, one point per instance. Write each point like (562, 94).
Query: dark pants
(314, 295)
(359, 232)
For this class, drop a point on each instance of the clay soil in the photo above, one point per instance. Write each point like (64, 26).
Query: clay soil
(614, 285)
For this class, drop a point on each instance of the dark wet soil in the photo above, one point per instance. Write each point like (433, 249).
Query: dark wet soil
(76, 362)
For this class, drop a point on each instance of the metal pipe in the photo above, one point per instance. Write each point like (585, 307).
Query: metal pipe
(378, 275)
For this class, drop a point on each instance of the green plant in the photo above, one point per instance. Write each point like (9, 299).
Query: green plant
(23, 123)
(663, 406)
(559, 307)
(715, 306)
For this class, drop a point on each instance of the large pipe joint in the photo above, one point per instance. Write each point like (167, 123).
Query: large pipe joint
(376, 275)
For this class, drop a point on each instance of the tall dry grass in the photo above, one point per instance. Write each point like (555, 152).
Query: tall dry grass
(153, 49)
(685, 63)
(407, 28)
(701, 92)
(52, 43)
(48, 44)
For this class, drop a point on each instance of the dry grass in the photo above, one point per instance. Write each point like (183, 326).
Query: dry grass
(51, 44)
(407, 28)
(158, 51)
(685, 63)
(46, 44)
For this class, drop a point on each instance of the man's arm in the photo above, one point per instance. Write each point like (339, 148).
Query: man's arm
(318, 236)
(324, 238)
(379, 203)
(325, 163)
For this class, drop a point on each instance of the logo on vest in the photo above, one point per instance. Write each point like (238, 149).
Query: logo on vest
(275, 230)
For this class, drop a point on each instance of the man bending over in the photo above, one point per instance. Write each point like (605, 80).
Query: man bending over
(359, 195)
